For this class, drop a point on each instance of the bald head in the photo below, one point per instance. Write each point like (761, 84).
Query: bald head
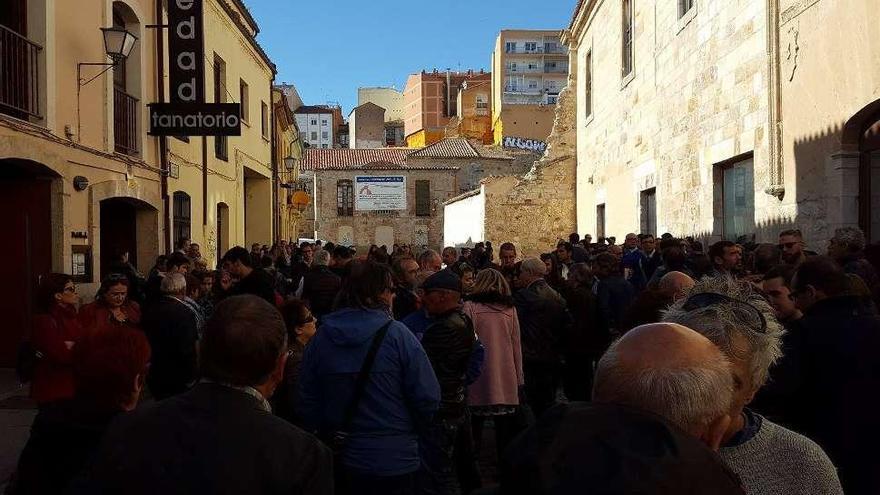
(676, 284)
(672, 371)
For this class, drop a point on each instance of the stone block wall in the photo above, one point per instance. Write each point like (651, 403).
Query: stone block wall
(401, 227)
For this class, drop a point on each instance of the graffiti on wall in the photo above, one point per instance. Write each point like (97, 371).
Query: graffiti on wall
(524, 144)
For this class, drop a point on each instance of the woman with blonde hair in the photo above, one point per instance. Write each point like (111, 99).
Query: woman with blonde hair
(495, 394)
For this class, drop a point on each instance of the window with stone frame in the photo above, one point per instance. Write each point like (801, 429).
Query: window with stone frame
(684, 6)
(735, 197)
(588, 84)
(600, 221)
(344, 198)
(423, 198)
(244, 98)
(627, 39)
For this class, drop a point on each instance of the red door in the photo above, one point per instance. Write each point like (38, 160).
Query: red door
(26, 204)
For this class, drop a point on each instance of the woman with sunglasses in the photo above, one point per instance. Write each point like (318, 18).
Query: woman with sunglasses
(56, 329)
(112, 307)
(301, 327)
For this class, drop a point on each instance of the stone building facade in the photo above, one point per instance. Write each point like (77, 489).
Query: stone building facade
(723, 119)
(340, 219)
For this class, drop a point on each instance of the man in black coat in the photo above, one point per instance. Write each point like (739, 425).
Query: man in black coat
(172, 329)
(251, 278)
(320, 285)
(220, 437)
(406, 302)
(834, 373)
(448, 342)
(544, 322)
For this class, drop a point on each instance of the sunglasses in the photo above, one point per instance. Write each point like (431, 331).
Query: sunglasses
(703, 300)
(71, 290)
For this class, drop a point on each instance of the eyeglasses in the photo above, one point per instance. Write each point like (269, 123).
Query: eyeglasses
(71, 289)
(703, 300)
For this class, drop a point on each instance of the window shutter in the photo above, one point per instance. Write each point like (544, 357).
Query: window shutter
(423, 198)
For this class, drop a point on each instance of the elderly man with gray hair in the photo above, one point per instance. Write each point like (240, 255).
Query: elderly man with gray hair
(171, 327)
(543, 321)
(770, 459)
(847, 248)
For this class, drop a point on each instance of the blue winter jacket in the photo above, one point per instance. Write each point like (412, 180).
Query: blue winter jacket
(401, 395)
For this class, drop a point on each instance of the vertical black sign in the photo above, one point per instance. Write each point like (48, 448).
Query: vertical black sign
(186, 49)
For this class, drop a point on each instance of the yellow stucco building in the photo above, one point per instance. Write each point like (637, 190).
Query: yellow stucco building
(81, 181)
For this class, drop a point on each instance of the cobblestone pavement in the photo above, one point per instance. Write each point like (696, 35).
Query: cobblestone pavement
(17, 413)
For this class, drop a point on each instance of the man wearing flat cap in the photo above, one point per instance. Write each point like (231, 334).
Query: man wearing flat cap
(448, 342)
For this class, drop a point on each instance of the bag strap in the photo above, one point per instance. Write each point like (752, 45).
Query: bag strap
(363, 376)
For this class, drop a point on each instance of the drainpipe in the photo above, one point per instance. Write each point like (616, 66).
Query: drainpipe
(273, 146)
(163, 140)
(774, 104)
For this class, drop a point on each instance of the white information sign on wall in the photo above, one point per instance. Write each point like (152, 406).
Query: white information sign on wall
(380, 193)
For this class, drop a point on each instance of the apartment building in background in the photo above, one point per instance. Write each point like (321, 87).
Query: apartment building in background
(529, 70)
(317, 125)
(430, 102)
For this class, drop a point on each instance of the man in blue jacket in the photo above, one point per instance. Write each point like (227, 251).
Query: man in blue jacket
(381, 453)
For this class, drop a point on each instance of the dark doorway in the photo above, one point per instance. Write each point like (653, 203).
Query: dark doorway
(118, 232)
(648, 207)
(26, 200)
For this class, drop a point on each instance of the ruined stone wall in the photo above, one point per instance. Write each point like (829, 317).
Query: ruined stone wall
(473, 170)
(535, 210)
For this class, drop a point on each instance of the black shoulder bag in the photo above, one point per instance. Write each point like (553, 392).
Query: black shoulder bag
(339, 438)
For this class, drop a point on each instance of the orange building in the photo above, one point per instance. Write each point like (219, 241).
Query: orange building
(430, 102)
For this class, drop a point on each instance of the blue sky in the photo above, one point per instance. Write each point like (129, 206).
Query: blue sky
(329, 48)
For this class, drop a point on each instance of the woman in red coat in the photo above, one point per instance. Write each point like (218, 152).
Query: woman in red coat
(55, 332)
(111, 309)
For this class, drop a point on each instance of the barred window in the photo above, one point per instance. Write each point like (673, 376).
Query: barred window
(684, 6)
(423, 198)
(344, 198)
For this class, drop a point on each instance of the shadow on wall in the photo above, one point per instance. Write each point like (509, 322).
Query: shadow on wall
(811, 187)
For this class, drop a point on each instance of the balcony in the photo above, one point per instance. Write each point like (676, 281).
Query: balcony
(125, 125)
(19, 75)
(540, 50)
(523, 91)
(556, 70)
(523, 70)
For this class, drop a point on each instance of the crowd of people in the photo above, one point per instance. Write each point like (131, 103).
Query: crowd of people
(651, 366)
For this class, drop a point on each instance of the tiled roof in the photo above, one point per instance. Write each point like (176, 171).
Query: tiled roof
(313, 109)
(458, 148)
(354, 159)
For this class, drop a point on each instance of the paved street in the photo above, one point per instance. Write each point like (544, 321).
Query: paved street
(16, 414)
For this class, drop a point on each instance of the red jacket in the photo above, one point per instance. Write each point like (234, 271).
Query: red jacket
(53, 375)
(96, 317)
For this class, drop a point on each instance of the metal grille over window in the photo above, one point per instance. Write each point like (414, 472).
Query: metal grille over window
(344, 198)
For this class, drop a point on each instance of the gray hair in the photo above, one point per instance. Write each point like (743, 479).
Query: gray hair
(534, 267)
(427, 255)
(852, 237)
(173, 284)
(321, 258)
(692, 397)
(723, 321)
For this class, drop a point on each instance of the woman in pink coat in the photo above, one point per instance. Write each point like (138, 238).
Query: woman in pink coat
(495, 394)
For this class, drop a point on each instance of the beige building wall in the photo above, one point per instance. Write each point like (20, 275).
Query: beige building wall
(240, 184)
(707, 90)
(388, 98)
(367, 126)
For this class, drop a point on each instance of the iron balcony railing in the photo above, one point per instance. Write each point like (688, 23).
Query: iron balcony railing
(19, 75)
(559, 50)
(125, 128)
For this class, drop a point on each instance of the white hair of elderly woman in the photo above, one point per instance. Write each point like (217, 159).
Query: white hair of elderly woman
(534, 267)
(173, 284)
(725, 322)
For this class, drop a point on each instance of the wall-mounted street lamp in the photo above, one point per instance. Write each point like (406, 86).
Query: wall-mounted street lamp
(118, 43)
(290, 163)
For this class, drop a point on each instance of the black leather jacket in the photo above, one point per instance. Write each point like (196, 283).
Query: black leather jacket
(449, 342)
(543, 322)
